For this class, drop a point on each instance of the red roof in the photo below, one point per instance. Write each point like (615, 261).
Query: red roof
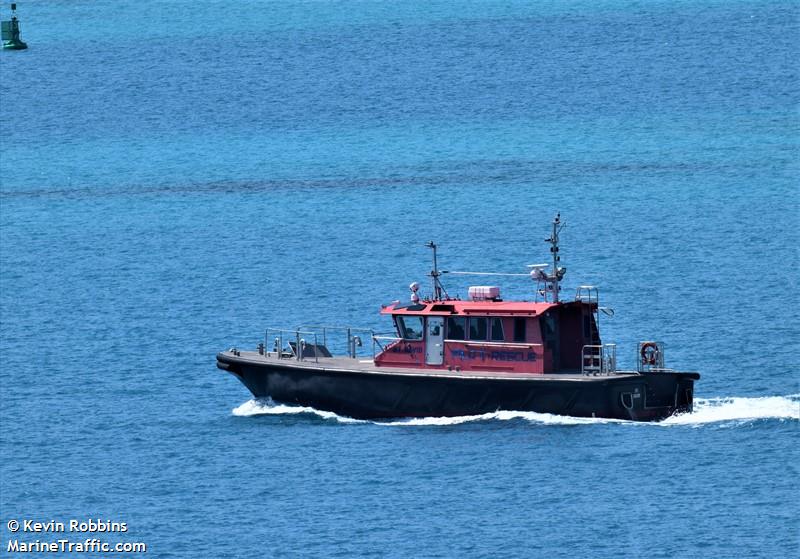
(449, 307)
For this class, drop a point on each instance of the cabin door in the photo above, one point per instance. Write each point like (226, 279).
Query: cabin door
(434, 341)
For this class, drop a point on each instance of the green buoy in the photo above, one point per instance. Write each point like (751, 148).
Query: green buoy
(10, 32)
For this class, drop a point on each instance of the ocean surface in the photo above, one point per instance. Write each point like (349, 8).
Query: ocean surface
(177, 176)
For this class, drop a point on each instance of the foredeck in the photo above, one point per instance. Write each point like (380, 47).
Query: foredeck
(348, 364)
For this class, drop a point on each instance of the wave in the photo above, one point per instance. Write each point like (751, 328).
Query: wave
(729, 411)
(738, 410)
(268, 407)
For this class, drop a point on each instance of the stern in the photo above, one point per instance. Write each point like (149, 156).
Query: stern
(654, 396)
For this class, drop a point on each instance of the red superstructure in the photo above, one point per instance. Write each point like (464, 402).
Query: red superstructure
(486, 333)
(512, 336)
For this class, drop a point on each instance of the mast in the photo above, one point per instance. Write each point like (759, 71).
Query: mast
(437, 285)
(558, 273)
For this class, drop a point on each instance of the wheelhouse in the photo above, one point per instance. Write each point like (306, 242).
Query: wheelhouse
(491, 335)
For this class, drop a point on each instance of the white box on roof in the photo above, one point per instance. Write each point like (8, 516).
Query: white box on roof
(484, 292)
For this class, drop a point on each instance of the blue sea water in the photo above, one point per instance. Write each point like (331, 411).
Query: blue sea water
(176, 176)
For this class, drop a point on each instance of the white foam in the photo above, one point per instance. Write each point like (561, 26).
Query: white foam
(726, 411)
(533, 417)
(738, 410)
(268, 407)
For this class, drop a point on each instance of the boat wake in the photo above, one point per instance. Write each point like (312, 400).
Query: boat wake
(268, 407)
(724, 411)
(739, 410)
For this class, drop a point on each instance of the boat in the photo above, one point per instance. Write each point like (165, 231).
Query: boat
(448, 356)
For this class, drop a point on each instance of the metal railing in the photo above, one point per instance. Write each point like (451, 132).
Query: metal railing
(599, 359)
(296, 343)
(650, 356)
(297, 351)
(587, 294)
(348, 334)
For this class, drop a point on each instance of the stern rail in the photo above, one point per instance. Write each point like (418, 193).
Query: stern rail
(599, 359)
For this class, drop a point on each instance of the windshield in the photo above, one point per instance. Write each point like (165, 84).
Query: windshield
(410, 327)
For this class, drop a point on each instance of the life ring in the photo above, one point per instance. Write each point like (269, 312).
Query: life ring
(649, 353)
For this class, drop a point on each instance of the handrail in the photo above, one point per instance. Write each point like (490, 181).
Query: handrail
(650, 356)
(300, 343)
(598, 359)
(353, 341)
(587, 293)
(336, 327)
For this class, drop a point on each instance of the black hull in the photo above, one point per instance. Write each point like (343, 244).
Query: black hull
(383, 395)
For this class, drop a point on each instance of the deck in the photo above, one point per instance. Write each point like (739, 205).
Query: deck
(367, 366)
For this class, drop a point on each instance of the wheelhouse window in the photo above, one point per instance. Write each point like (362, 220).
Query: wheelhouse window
(519, 330)
(478, 329)
(456, 328)
(410, 327)
(497, 330)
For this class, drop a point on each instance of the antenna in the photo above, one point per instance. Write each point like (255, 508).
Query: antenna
(435, 273)
(558, 273)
